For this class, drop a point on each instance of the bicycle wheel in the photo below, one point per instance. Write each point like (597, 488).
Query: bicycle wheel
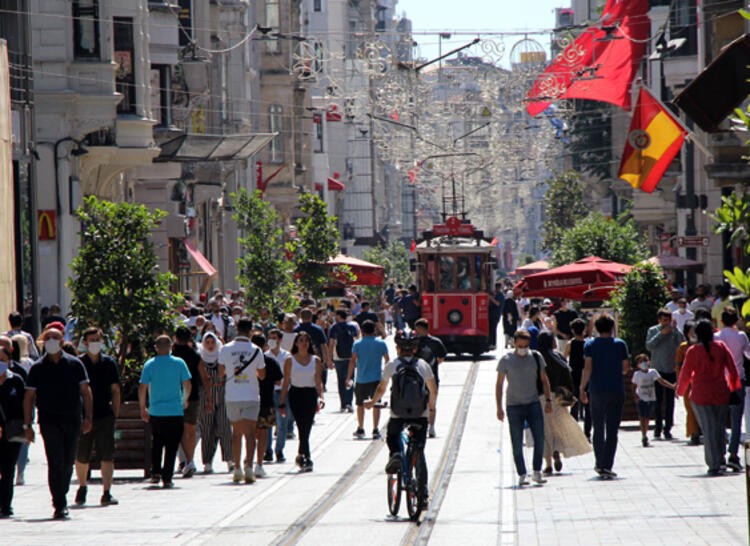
(394, 493)
(413, 501)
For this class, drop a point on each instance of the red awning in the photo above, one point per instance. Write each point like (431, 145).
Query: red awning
(200, 260)
(533, 267)
(366, 273)
(335, 185)
(589, 279)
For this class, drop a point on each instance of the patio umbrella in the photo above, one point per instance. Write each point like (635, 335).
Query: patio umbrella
(366, 273)
(674, 263)
(533, 267)
(591, 278)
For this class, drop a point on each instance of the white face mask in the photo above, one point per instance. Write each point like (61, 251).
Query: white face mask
(522, 351)
(95, 347)
(643, 366)
(272, 343)
(682, 310)
(52, 346)
(693, 339)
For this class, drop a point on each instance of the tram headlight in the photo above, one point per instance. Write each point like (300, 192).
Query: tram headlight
(455, 316)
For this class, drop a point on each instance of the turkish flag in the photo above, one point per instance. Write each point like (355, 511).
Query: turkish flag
(413, 246)
(599, 64)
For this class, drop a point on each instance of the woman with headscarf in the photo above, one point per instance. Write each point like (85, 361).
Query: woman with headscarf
(562, 435)
(711, 375)
(213, 422)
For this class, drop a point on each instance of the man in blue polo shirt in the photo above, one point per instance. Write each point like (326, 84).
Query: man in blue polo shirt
(165, 382)
(368, 356)
(606, 361)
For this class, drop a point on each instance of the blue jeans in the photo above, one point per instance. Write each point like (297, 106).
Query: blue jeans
(606, 414)
(517, 416)
(345, 395)
(735, 420)
(282, 425)
(712, 420)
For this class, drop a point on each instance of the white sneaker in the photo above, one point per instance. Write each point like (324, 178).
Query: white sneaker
(238, 476)
(537, 477)
(230, 466)
(249, 476)
(260, 471)
(208, 469)
(523, 479)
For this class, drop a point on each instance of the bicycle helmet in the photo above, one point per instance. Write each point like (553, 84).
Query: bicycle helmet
(406, 340)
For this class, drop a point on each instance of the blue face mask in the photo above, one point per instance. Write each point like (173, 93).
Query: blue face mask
(3, 367)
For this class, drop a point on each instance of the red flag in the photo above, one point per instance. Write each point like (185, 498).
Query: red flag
(394, 116)
(601, 63)
(413, 246)
(493, 242)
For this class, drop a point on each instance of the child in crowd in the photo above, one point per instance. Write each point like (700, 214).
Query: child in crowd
(644, 380)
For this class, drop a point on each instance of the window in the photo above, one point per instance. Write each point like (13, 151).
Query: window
(86, 29)
(276, 147)
(318, 123)
(161, 95)
(317, 5)
(272, 21)
(124, 59)
(682, 24)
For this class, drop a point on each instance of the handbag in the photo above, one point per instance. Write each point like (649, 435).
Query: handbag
(13, 429)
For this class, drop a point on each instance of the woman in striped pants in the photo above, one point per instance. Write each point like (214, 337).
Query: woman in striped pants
(213, 422)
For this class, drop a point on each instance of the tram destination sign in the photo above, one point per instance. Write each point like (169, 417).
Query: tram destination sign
(693, 240)
(453, 227)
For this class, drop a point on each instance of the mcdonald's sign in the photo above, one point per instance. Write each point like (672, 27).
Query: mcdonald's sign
(47, 225)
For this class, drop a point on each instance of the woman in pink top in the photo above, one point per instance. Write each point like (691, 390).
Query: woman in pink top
(710, 370)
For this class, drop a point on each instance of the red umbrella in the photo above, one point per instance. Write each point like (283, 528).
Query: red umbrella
(366, 273)
(533, 267)
(589, 279)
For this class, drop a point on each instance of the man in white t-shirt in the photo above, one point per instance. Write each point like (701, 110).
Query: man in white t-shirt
(681, 315)
(287, 332)
(242, 364)
(284, 423)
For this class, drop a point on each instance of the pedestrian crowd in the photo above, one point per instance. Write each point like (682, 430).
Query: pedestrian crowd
(221, 377)
(564, 369)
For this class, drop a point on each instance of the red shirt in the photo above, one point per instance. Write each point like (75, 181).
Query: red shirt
(711, 381)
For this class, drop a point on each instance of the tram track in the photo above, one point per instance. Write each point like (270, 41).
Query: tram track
(440, 479)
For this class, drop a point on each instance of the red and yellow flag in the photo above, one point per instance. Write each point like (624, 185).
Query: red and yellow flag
(654, 139)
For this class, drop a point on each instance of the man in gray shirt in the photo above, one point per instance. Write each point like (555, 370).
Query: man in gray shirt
(523, 367)
(662, 341)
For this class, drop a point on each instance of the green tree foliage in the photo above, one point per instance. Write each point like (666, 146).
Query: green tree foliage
(317, 242)
(264, 270)
(394, 258)
(596, 235)
(116, 283)
(733, 217)
(637, 300)
(563, 207)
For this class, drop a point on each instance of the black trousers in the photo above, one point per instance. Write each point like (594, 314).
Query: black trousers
(494, 321)
(304, 404)
(397, 424)
(166, 433)
(664, 416)
(60, 446)
(8, 457)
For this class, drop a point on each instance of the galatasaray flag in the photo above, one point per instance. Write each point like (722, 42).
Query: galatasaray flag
(654, 139)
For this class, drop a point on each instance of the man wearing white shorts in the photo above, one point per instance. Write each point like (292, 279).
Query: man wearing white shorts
(242, 364)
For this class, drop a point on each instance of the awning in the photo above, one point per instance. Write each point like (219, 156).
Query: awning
(333, 185)
(200, 260)
(674, 263)
(193, 147)
(365, 273)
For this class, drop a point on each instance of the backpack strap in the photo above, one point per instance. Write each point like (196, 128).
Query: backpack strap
(238, 371)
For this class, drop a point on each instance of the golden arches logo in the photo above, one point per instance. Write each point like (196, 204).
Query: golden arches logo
(46, 225)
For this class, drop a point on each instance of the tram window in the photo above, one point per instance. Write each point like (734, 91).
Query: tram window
(480, 274)
(446, 273)
(463, 274)
(431, 272)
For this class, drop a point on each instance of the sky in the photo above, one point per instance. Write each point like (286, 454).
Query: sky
(477, 15)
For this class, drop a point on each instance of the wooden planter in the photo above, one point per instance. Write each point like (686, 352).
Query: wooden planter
(132, 441)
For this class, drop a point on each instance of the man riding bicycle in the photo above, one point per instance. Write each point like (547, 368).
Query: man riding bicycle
(411, 401)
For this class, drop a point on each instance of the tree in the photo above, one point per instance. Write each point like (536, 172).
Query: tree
(637, 300)
(563, 207)
(394, 258)
(316, 243)
(264, 269)
(116, 283)
(596, 235)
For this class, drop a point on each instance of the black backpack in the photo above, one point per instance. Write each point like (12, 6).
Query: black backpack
(409, 395)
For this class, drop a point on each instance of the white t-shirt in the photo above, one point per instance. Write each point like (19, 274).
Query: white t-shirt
(242, 386)
(280, 360)
(287, 341)
(423, 368)
(679, 319)
(644, 384)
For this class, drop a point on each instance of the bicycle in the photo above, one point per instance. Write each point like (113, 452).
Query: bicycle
(412, 478)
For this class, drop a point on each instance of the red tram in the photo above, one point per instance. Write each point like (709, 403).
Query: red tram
(455, 273)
